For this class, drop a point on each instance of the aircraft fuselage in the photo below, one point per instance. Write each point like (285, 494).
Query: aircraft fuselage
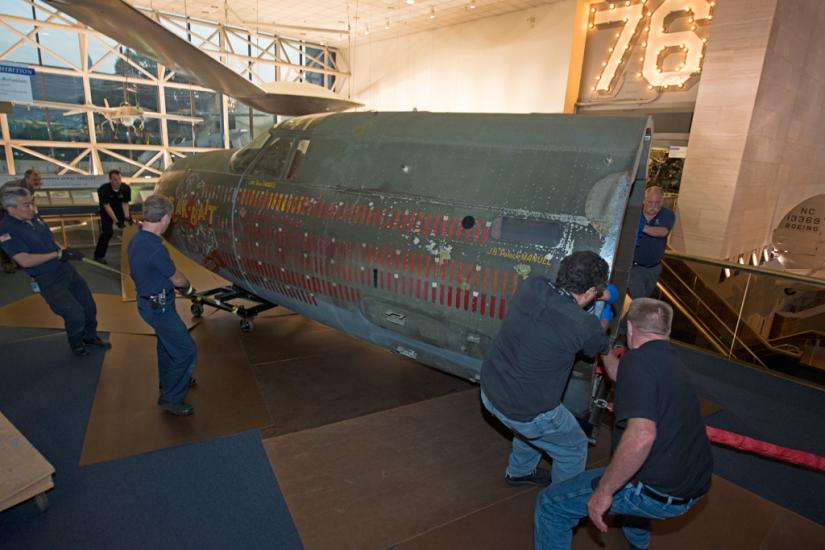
(411, 230)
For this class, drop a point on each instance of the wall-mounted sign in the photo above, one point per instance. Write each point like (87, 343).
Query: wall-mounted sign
(15, 82)
(641, 49)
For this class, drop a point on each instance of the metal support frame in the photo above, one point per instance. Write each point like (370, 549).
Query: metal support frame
(260, 49)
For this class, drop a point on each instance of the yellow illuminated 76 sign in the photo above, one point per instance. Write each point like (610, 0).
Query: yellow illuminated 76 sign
(660, 39)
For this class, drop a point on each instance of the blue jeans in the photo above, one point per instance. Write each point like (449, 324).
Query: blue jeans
(560, 507)
(69, 296)
(176, 349)
(555, 432)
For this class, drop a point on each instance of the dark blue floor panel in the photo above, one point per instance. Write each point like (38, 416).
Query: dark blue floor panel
(219, 493)
(764, 406)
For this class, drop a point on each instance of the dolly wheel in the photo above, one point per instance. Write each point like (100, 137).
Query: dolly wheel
(247, 325)
(196, 309)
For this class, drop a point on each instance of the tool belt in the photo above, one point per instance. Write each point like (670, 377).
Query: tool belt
(161, 298)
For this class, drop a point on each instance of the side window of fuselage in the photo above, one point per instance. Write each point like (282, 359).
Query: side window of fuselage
(272, 161)
(522, 231)
(300, 152)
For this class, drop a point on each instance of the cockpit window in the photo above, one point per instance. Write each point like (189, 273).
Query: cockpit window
(300, 152)
(242, 157)
(272, 161)
(517, 230)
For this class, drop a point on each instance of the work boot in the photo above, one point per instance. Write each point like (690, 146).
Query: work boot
(539, 476)
(178, 409)
(98, 343)
(80, 351)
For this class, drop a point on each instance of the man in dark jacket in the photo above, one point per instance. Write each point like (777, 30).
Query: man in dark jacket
(526, 369)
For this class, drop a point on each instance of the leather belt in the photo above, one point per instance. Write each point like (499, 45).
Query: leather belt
(664, 499)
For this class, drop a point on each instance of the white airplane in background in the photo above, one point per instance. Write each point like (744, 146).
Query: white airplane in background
(131, 28)
(126, 114)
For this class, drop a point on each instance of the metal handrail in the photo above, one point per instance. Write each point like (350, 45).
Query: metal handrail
(747, 268)
(698, 324)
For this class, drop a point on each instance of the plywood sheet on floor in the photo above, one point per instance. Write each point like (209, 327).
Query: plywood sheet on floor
(113, 315)
(349, 379)
(200, 277)
(380, 479)
(729, 518)
(125, 418)
(279, 337)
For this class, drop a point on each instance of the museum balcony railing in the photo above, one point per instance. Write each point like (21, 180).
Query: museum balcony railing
(753, 314)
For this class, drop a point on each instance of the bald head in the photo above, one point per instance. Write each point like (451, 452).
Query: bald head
(654, 199)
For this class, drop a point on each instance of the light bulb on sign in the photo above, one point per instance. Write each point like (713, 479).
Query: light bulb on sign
(688, 43)
(629, 15)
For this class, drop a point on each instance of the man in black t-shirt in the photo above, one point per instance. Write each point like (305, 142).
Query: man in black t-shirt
(527, 367)
(661, 464)
(114, 200)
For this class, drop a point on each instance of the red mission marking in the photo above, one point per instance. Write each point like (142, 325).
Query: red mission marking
(426, 229)
(436, 219)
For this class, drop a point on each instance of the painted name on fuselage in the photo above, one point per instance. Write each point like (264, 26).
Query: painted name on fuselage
(194, 211)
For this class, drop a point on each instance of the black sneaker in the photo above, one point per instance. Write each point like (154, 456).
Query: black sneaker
(80, 351)
(178, 409)
(102, 261)
(539, 476)
(98, 343)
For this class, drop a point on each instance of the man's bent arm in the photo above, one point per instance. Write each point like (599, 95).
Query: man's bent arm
(108, 208)
(656, 231)
(26, 259)
(634, 448)
(178, 279)
(611, 365)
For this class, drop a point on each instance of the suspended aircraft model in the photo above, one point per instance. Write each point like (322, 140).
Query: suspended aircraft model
(410, 230)
(130, 116)
(131, 28)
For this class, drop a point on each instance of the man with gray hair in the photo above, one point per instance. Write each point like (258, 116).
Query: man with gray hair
(31, 181)
(661, 464)
(26, 238)
(655, 224)
(155, 275)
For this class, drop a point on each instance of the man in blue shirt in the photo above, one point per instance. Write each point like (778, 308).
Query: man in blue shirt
(26, 238)
(655, 225)
(31, 181)
(155, 275)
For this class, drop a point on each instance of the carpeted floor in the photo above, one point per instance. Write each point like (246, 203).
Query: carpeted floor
(219, 493)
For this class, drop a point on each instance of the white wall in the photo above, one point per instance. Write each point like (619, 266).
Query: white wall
(514, 63)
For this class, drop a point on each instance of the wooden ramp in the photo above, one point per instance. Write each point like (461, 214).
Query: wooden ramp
(430, 475)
